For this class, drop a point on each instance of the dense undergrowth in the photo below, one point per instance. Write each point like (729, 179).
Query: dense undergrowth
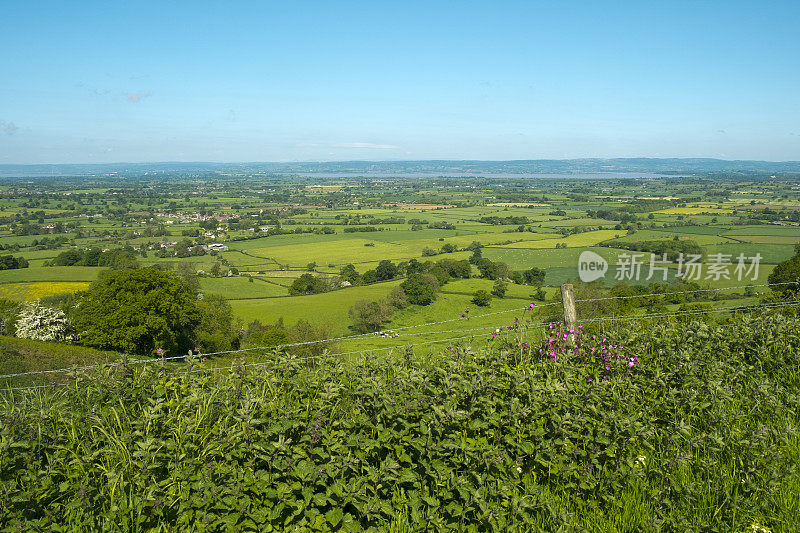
(699, 433)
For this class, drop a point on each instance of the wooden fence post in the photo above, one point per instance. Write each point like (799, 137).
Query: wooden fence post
(568, 299)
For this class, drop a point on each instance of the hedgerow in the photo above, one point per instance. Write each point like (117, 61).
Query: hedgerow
(698, 434)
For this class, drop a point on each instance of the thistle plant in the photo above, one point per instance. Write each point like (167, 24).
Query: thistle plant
(514, 337)
(599, 353)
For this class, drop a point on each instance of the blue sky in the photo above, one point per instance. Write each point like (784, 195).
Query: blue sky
(285, 81)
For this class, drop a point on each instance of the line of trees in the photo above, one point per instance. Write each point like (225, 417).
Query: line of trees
(9, 262)
(672, 247)
(118, 259)
(508, 221)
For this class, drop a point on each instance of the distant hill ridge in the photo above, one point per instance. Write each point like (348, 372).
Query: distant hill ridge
(444, 166)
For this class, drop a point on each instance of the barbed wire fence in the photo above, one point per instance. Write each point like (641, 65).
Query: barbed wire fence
(488, 329)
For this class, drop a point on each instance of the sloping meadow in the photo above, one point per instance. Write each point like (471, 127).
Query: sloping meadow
(700, 433)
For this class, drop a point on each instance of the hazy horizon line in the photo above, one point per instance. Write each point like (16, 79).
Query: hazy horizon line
(321, 161)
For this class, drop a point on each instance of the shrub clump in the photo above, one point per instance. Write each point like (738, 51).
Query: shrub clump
(481, 298)
(40, 323)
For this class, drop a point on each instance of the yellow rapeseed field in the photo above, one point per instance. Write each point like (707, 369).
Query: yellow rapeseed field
(23, 292)
(589, 238)
(693, 210)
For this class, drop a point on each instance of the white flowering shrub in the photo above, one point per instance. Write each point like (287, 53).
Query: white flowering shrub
(43, 324)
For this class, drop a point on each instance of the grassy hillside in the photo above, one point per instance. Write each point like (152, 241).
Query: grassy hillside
(23, 355)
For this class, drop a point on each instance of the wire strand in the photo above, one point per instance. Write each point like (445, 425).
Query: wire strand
(531, 307)
(543, 324)
(754, 307)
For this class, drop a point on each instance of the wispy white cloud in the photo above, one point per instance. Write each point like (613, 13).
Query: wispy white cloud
(135, 98)
(372, 146)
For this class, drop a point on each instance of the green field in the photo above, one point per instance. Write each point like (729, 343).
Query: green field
(546, 258)
(786, 231)
(527, 220)
(50, 274)
(697, 230)
(702, 239)
(584, 240)
(770, 253)
(328, 308)
(241, 288)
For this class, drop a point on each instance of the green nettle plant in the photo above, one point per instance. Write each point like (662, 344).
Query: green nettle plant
(41, 323)
(701, 436)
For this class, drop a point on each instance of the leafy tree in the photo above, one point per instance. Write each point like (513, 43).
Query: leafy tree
(308, 284)
(188, 272)
(209, 224)
(414, 266)
(456, 269)
(441, 274)
(64, 301)
(533, 276)
(368, 316)
(370, 276)
(9, 262)
(386, 270)
(420, 288)
(9, 313)
(449, 248)
(787, 274)
(348, 273)
(138, 311)
(398, 298)
(476, 256)
(68, 258)
(312, 336)
(215, 332)
(481, 298)
(265, 335)
(487, 268)
(504, 271)
(429, 252)
(500, 288)
(91, 257)
(121, 259)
